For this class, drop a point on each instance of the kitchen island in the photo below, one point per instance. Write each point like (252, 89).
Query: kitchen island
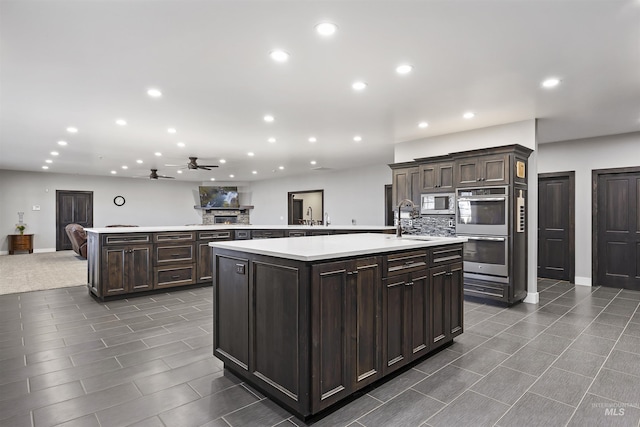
(124, 261)
(311, 320)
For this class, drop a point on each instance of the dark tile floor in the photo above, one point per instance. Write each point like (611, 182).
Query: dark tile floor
(66, 360)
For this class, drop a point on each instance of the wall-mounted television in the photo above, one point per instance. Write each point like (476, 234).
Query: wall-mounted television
(219, 197)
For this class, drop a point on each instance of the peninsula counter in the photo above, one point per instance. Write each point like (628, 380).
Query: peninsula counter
(311, 320)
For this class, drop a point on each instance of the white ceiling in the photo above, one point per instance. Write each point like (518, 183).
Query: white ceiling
(86, 64)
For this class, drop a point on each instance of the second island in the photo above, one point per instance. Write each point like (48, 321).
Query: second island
(311, 320)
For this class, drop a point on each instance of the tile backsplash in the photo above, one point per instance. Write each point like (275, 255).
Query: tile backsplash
(430, 225)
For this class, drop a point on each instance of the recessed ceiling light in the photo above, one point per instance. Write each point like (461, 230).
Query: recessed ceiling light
(171, 130)
(45, 167)
(313, 162)
(404, 69)
(281, 167)
(139, 162)
(254, 172)
(63, 143)
(271, 140)
(469, 115)
(223, 161)
(179, 171)
(125, 167)
(326, 28)
(154, 93)
(213, 179)
(312, 139)
(250, 154)
(158, 153)
(121, 122)
(279, 55)
(54, 153)
(232, 176)
(180, 144)
(269, 118)
(357, 138)
(71, 129)
(551, 82)
(114, 172)
(359, 86)
(423, 125)
(48, 161)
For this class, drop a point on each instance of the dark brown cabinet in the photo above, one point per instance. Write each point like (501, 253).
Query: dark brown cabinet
(346, 328)
(406, 185)
(203, 252)
(482, 170)
(446, 286)
(436, 177)
(127, 268)
(174, 259)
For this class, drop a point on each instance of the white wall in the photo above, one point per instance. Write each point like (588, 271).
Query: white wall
(523, 133)
(583, 156)
(348, 194)
(148, 202)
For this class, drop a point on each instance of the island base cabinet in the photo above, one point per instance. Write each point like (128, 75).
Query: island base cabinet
(446, 303)
(345, 329)
(126, 269)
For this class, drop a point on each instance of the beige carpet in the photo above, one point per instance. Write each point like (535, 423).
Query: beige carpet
(36, 272)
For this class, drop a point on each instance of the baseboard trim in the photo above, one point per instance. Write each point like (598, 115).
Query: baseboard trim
(532, 298)
(583, 281)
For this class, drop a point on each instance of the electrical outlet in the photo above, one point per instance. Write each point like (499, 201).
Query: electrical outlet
(450, 223)
(36, 207)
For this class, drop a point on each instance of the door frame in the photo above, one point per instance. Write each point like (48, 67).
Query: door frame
(595, 176)
(89, 193)
(291, 195)
(572, 215)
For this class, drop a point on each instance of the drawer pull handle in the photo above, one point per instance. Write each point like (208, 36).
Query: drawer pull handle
(175, 255)
(408, 262)
(175, 277)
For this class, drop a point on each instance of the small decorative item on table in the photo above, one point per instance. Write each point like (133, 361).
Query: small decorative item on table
(21, 227)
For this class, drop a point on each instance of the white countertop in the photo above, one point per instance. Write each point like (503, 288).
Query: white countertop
(314, 248)
(201, 227)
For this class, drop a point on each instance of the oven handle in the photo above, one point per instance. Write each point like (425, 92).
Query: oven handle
(491, 239)
(482, 199)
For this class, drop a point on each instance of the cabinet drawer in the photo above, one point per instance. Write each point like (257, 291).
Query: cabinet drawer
(296, 233)
(118, 239)
(242, 234)
(214, 235)
(188, 236)
(446, 255)
(267, 234)
(405, 262)
(174, 253)
(167, 276)
(485, 290)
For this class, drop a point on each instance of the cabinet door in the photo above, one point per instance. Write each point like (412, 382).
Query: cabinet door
(493, 169)
(415, 189)
(204, 262)
(466, 172)
(366, 324)
(428, 177)
(140, 268)
(440, 303)
(331, 369)
(445, 176)
(418, 297)
(456, 289)
(400, 188)
(396, 350)
(126, 269)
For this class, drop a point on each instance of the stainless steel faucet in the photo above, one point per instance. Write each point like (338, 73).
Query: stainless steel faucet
(405, 202)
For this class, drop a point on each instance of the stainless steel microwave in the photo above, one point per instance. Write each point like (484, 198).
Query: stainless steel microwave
(438, 204)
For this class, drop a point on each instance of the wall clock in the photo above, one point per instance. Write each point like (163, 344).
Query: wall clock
(118, 200)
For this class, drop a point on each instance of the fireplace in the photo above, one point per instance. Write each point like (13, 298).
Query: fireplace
(225, 219)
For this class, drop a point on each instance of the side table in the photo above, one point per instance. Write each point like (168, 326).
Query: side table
(20, 242)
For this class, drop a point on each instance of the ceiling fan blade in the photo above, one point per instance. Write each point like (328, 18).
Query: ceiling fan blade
(207, 166)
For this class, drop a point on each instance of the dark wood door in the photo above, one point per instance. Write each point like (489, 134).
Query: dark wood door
(618, 230)
(298, 207)
(396, 350)
(556, 257)
(456, 301)
(72, 207)
(388, 205)
(419, 306)
(126, 269)
(440, 301)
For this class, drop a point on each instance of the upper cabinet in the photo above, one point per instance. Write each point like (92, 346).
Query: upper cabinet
(436, 177)
(406, 185)
(482, 170)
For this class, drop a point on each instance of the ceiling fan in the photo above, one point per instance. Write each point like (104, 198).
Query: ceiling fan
(193, 164)
(154, 175)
